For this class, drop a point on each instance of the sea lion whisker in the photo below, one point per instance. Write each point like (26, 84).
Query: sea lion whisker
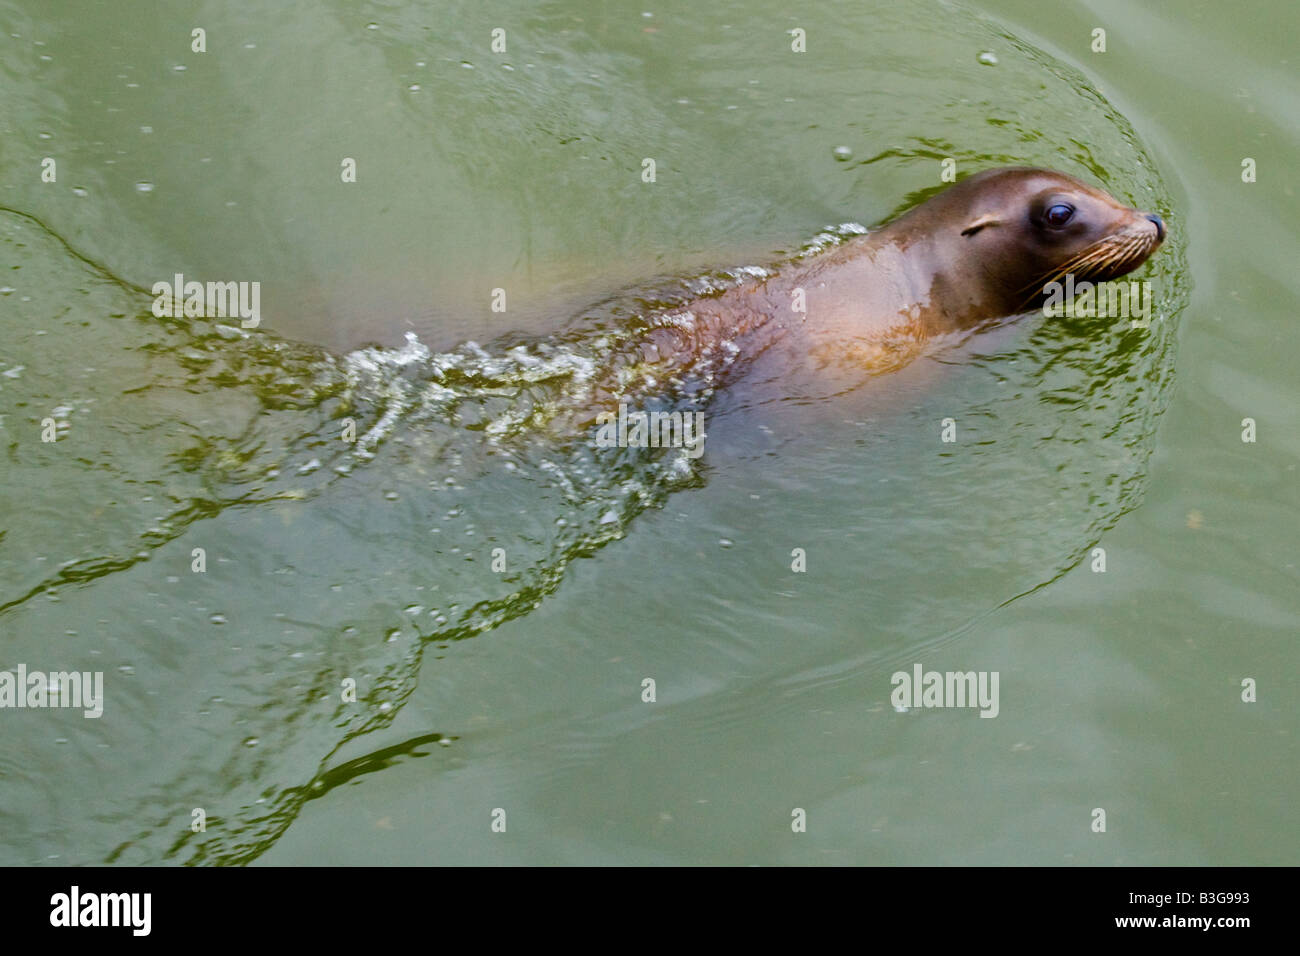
(1129, 253)
(1060, 272)
(1111, 255)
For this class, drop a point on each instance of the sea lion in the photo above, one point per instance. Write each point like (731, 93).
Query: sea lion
(982, 249)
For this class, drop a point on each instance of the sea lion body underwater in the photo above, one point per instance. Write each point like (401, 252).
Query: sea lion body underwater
(980, 250)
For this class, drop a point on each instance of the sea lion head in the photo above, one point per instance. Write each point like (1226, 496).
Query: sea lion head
(1027, 227)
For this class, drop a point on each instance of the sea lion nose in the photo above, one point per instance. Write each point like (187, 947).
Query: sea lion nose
(1160, 225)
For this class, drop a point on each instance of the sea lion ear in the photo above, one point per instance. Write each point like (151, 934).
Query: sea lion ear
(980, 223)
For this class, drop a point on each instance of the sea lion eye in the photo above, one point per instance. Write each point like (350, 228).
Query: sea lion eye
(1059, 214)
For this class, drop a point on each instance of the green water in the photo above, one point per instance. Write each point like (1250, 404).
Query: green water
(521, 690)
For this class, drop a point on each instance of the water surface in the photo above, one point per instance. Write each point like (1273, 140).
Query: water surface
(522, 690)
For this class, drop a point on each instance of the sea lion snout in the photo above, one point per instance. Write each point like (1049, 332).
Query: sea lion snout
(1160, 225)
